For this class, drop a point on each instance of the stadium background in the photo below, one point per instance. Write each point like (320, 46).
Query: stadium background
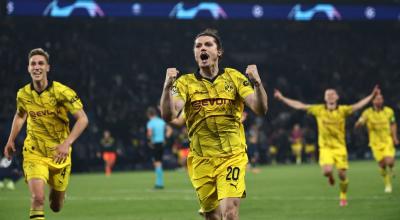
(117, 66)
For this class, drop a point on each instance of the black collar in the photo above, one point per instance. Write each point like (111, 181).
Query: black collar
(200, 77)
(49, 84)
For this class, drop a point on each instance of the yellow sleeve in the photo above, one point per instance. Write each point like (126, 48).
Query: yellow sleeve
(313, 110)
(347, 109)
(70, 100)
(364, 117)
(21, 109)
(392, 118)
(244, 86)
(179, 90)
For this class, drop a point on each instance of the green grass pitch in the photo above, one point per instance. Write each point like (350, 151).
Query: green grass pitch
(278, 192)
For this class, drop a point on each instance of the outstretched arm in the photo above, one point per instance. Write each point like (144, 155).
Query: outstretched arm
(18, 122)
(168, 107)
(257, 101)
(290, 102)
(360, 104)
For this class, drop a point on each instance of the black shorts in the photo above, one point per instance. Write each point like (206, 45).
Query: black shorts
(157, 151)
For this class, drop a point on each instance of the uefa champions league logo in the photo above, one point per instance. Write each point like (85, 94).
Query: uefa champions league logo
(180, 12)
(90, 6)
(299, 14)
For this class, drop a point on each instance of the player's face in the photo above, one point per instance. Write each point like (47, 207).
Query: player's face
(378, 101)
(206, 51)
(38, 68)
(331, 96)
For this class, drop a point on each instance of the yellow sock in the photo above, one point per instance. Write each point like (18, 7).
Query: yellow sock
(387, 177)
(343, 188)
(36, 214)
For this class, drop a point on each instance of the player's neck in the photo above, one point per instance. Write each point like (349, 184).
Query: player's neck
(378, 108)
(209, 72)
(41, 85)
(331, 106)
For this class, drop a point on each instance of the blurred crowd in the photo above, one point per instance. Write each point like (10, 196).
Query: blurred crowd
(118, 67)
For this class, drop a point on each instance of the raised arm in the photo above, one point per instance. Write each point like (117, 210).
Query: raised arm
(360, 104)
(18, 122)
(290, 102)
(257, 101)
(168, 107)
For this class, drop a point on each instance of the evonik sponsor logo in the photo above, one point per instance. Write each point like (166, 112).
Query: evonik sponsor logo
(35, 114)
(212, 101)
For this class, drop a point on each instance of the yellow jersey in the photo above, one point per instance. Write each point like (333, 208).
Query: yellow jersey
(331, 125)
(213, 109)
(47, 119)
(378, 124)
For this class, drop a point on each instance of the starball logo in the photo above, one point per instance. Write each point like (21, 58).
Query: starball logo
(181, 11)
(197, 105)
(58, 8)
(299, 13)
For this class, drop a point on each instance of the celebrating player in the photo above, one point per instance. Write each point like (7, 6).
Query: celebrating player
(331, 119)
(47, 147)
(382, 132)
(213, 99)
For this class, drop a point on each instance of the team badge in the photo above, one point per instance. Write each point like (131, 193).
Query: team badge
(52, 101)
(174, 90)
(228, 86)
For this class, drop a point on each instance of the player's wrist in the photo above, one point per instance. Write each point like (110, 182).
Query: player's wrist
(257, 84)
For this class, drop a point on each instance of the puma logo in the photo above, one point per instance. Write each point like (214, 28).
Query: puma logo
(233, 185)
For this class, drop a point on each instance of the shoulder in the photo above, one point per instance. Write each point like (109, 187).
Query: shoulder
(317, 106)
(367, 110)
(24, 90)
(234, 73)
(60, 87)
(185, 77)
(63, 90)
(388, 109)
(345, 107)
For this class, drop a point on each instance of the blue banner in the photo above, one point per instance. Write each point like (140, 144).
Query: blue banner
(201, 10)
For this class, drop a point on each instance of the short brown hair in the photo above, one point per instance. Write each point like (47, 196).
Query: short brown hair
(39, 51)
(212, 33)
(151, 111)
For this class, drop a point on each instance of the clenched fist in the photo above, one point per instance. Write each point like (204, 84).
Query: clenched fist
(170, 77)
(277, 94)
(252, 73)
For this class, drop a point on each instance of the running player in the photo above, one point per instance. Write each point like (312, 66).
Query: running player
(331, 119)
(213, 99)
(47, 147)
(382, 132)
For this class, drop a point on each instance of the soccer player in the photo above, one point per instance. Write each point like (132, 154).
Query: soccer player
(156, 128)
(331, 119)
(382, 132)
(109, 151)
(296, 139)
(44, 104)
(213, 99)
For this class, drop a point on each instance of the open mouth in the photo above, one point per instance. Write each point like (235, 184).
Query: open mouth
(204, 56)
